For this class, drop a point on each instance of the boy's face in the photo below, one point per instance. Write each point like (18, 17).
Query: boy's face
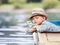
(38, 20)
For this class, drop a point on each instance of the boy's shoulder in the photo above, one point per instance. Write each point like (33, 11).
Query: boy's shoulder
(49, 24)
(45, 22)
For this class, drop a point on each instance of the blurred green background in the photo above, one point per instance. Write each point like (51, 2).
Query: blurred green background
(46, 4)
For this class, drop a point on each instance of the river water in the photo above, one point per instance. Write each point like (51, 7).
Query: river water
(14, 35)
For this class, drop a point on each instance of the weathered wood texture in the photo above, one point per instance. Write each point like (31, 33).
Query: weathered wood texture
(49, 38)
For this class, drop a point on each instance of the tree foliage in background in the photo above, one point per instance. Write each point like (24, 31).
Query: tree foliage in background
(4, 1)
(46, 4)
(17, 3)
(49, 3)
(28, 1)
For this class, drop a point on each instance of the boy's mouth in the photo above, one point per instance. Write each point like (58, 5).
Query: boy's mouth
(35, 22)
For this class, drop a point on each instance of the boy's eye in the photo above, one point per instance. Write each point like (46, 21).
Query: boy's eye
(36, 17)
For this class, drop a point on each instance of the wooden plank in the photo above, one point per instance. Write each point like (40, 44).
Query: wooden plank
(35, 37)
(53, 43)
(42, 38)
(53, 36)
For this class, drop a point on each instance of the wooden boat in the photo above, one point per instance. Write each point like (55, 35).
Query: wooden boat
(47, 38)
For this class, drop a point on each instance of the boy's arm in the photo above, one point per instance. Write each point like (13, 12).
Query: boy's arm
(55, 27)
(48, 27)
(41, 28)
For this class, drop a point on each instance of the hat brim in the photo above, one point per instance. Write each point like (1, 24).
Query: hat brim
(38, 15)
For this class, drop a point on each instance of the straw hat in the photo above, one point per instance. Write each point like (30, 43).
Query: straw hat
(38, 12)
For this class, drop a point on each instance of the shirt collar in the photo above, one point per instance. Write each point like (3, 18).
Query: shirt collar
(44, 22)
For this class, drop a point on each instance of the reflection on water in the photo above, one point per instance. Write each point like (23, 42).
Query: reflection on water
(14, 37)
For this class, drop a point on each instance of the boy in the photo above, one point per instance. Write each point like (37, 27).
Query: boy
(39, 19)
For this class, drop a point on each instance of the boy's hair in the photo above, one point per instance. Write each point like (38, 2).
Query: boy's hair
(38, 12)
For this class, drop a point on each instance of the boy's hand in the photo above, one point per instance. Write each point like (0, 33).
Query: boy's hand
(33, 29)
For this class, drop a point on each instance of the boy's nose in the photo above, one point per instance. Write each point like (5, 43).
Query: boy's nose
(35, 20)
